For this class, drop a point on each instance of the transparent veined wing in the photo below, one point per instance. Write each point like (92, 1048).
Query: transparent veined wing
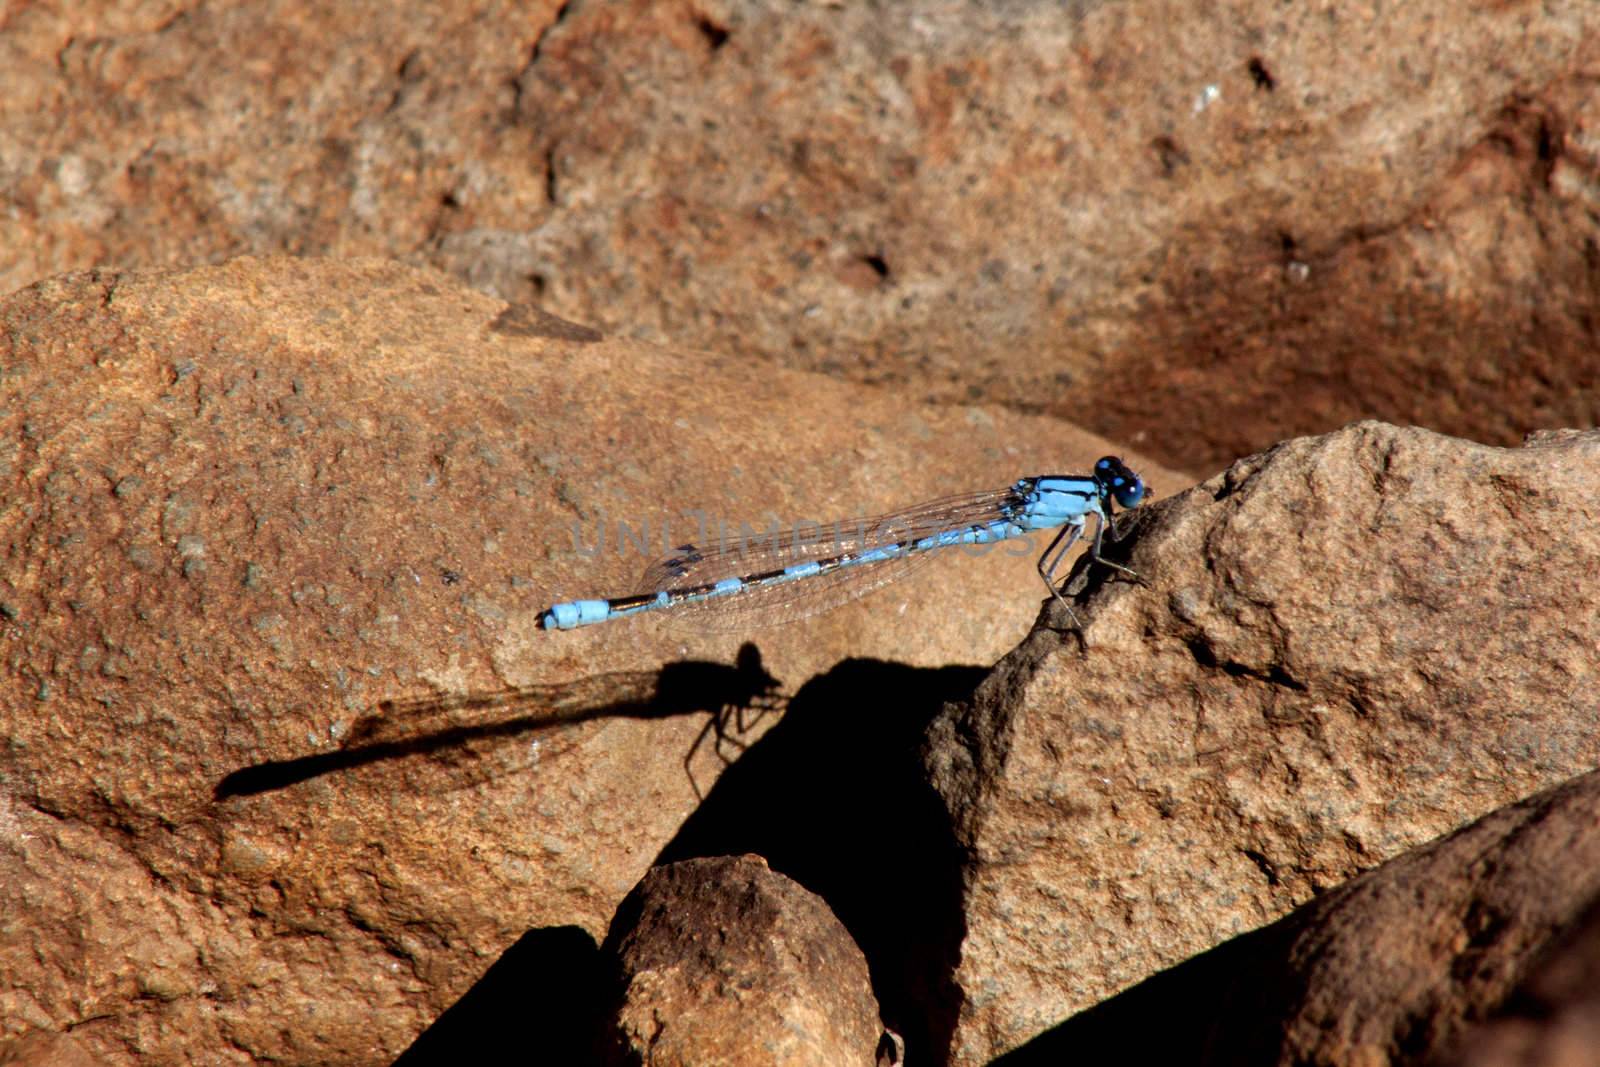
(743, 554)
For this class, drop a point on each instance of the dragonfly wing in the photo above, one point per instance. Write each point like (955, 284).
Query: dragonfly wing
(751, 553)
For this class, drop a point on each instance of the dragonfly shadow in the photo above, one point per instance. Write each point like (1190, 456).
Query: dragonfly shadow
(453, 725)
(836, 797)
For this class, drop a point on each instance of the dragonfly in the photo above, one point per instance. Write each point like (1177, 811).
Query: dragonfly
(788, 575)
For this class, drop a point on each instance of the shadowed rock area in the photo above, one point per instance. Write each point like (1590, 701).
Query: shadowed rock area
(1551, 1017)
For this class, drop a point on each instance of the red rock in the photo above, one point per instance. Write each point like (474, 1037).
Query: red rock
(41, 1049)
(1552, 1017)
(1212, 226)
(1397, 966)
(1342, 648)
(723, 961)
(245, 505)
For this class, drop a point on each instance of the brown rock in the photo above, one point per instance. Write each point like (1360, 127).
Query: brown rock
(723, 961)
(1394, 966)
(244, 506)
(1552, 1018)
(42, 1049)
(1211, 225)
(91, 934)
(1343, 648)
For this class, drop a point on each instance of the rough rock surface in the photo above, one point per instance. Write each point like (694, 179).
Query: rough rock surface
(1552, 1018)
(721, 961)
(1393, 967)
(1256, 219)
(245, 505)
(1342, 648)
(1396, 967)
(44, 1049)
(242, 507)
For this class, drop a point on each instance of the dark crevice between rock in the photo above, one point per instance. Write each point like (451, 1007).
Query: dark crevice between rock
(1275, 675)
(1170, 154)
(1261, 75)
(1220, 1007)
(716, 35)
(410, 70)
(551, 991)
(836, 797)
(519, 81)
(1268, 870)
(538, 42)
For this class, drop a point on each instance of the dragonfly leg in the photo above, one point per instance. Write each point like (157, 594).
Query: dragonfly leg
(1094, 549)
(1047, 566)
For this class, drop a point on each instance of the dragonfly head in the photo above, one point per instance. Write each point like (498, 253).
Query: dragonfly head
(1114, 477)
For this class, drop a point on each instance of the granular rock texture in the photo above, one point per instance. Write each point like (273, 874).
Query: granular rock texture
(1256, 219)
(1477, 948)
(1552, 1017)
(252, 520)
(253, 513)
(721, 961)
(288, 769)
(1338, 650)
